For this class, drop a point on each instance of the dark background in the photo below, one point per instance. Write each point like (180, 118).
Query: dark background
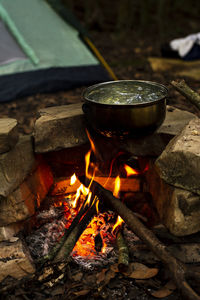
(126, 32)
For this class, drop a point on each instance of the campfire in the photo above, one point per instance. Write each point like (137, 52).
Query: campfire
(86, 229)
(90, 215)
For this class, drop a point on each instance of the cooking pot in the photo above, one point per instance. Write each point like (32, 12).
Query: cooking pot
(125, 107)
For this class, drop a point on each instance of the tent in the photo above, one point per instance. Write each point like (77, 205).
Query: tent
(44, 51)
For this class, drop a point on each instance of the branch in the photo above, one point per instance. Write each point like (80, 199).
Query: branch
(187, 92)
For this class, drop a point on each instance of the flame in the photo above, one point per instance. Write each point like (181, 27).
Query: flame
(91, 142)
(130, 171)
(117, 187)
(88, 199)
(81, 190)
(73, 179)
(97, 206)
(87, 163)
(118, 223)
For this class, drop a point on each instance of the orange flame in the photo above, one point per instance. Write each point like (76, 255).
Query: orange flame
(82, 189)
(118, 223)
(130, 171)
(97, 206)
(73, 179)
(87, 163)
(91, 142)
(117, 187)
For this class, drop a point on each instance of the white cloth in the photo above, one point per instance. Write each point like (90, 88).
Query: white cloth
(184, 45)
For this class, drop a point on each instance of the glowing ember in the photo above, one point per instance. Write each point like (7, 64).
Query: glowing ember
(85, 247)
(130, 171)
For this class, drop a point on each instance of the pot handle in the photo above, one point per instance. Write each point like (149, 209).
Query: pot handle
(86, 108)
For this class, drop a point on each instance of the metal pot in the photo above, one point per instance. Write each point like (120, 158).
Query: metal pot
(133, 119)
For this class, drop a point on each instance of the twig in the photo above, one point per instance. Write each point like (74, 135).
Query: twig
(123, 256)
(177, 269)
(187, 92)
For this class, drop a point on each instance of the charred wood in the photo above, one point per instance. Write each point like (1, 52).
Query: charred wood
(69, 243)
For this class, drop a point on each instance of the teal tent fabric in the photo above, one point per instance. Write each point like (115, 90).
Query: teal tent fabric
(48, 42)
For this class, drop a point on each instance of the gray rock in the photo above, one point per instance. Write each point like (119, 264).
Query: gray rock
(60, 127)
(179, 209)
(22, 202)
(153, 145)
(8, 134)
(187, 253)
(179, 164)
(175, 120)
(15, 260)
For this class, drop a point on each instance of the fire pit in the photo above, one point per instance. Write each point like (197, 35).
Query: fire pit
(52, 219)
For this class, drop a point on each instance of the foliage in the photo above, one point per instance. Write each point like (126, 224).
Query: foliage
(164, 17)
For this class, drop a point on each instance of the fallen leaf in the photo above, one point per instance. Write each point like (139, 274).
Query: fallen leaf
(141, 271)
(109, 275)
(101, 276)
(77, 276)
(81, 293)
(114, 268)
(165, 290)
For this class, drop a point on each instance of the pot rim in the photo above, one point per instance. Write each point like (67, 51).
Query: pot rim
(115, 105)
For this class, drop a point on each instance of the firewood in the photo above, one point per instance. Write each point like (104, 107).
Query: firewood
(187, 92)
(68, 231)
(123, 255)
(70, 242)
(179, 272)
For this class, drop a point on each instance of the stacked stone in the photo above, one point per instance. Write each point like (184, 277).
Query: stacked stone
(175, 181)
(24, 182)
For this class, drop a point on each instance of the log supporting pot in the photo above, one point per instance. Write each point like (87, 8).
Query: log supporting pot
(125, 107)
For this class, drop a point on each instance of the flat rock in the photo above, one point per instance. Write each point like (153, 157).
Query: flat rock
(15, 260)
(8, 134)
(60, 127)
(15, 165)
(22, 203)
(179, 209)
(8, 232)
(179, 164)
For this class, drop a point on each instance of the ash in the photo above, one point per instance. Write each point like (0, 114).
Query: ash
(99, 260)
(42, 240)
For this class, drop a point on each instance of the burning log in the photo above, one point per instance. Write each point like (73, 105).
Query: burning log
(69, 243)
(178, 270)
(76, 228)
(123, 256)
(187, 92)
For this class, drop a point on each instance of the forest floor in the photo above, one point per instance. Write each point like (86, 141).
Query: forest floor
(127, 56)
